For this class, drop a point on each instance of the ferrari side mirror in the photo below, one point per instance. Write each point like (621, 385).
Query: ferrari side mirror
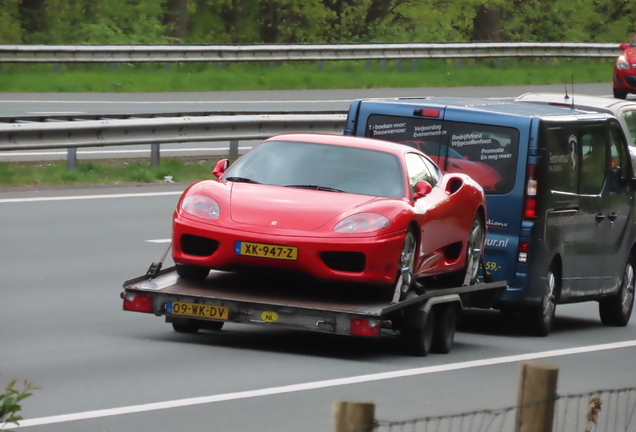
(220, 168)
(623, 46)
(423, 188)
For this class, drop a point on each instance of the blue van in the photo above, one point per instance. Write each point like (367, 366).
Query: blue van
(560, 195)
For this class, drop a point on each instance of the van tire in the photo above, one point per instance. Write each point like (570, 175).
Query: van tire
(541, 318)
(192, 272)
(616, 310)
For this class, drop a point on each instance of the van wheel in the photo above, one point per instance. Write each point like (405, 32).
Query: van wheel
(444, 329)
(541, 318)
(616, 310)
(419, 341)
(619, 93)
(192, 272)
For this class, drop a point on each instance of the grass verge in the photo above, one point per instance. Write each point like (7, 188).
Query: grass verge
(103, 173)
(182, 77)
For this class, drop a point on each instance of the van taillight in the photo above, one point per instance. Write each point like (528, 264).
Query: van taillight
(523, 252)
(530, 196)
(427, 112)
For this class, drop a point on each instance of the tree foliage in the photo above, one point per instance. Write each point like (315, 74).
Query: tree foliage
(10, 402)
(312, 21)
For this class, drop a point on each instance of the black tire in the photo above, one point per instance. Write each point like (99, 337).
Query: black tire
(211, 325)
(616, 310)
(541, 318)
(406, 265)
(619, 93)
(420, 341)
(475, 242)
(192, 272)
(444, 329)
(189, 326)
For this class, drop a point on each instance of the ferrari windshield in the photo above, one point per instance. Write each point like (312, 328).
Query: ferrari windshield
(322, 167)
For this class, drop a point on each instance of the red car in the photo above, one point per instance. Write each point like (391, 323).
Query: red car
(451, 161)
(625, 70)
(335, 207)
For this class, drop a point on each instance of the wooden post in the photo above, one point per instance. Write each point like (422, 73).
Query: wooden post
(353, 416)
(537, 397)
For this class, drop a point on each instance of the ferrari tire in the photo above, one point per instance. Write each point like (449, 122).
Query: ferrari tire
(616, 310)
(406, 265)
(420, 341)
(189, 326)
(444, 328)
(192, 272)
(620, 93)
(541, 318)
(474, 252)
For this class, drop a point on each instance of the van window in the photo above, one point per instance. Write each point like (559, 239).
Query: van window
(593, 145)
(563, 168)
(486, 153)
(620, 166)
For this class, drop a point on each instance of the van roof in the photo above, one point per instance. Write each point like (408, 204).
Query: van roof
(500, 106)
(597, 103)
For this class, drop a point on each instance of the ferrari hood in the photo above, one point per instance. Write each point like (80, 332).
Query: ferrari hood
(289, 208)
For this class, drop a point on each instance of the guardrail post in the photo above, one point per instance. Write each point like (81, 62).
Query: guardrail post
(458, 64)
(113, 67)
(537, 397)
(220, 65)
(543, 61)
(321, 65)
(56, 67)
(234, 148)
(71, 158)
(353, 416)
(414, 65)
(155, 154)
(398, 65)
(383, 65)
(367, 66)
(502, 63)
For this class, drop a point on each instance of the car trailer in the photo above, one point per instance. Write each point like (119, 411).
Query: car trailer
(426, 321)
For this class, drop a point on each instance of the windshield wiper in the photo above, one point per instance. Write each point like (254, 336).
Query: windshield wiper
(242, 180)
(316, 187)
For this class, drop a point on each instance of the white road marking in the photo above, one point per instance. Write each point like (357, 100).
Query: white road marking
(56, 112)
(159, 241)
(96, 152)
(177, 102)
(317, 385)
(87, 197)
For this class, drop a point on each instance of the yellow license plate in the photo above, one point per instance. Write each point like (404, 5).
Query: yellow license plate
(266, 250)
(197, 310)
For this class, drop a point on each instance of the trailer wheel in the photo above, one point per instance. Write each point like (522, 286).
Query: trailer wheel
(189, 326)
(444, 329)
(419, 341)
(192, 272)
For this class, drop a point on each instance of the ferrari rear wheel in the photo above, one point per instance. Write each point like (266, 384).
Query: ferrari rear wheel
(192, 272)
(468, 275)
(406, 266)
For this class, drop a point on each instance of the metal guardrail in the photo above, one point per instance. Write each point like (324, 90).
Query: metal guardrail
(71, 132)
(246, 53)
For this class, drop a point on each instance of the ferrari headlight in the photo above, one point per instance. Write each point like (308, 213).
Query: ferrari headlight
(621, 63)
(201, 206)
(362, 223)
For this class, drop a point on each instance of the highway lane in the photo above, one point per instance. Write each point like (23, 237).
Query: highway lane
(63, 262)
(261, 101)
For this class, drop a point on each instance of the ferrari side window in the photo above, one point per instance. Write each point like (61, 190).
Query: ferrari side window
(436, 174)
(417, 170)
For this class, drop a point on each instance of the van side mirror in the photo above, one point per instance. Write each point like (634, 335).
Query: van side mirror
(220, 168)
(423, 188)
(623, 46)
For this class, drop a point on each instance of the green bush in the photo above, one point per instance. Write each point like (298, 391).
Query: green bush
(10, 402)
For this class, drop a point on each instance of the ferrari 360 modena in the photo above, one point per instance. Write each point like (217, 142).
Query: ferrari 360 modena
(334, 207)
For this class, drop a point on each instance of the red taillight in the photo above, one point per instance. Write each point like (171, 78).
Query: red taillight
(363, 327)
(137, 302)
(427, 112)
(523, 252)
(530, 196)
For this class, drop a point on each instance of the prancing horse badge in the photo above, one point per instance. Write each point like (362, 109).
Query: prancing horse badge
(274, 222)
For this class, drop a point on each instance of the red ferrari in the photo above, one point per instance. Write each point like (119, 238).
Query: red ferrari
(625, 70)
(335, 207)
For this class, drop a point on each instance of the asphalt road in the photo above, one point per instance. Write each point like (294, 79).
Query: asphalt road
(65, 254)
(46, 104)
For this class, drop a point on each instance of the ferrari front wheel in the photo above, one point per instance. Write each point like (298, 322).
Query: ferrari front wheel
(192, 272)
